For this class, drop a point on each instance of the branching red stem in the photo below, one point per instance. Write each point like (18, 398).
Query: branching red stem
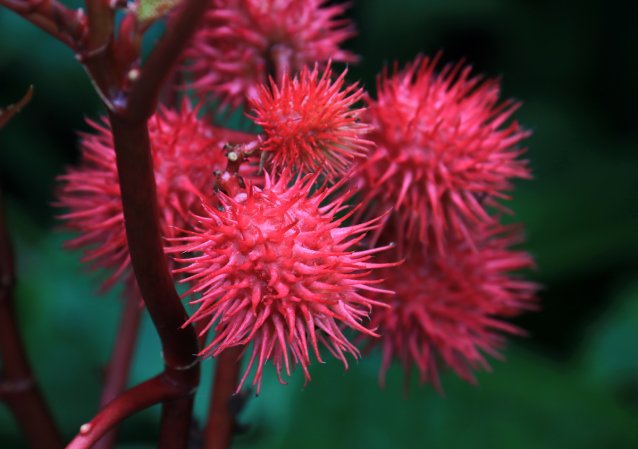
(120, 364)
(141, 216)
(65, 24)
(129, 110)
(139, 201)
(153, 391)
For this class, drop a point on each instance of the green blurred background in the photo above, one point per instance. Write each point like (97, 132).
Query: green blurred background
(572, 384)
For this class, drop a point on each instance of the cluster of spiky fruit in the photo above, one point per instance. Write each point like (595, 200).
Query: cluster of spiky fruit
(444, 155)
(276, 261)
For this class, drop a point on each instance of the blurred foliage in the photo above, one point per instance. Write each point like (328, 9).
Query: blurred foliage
(572, 383)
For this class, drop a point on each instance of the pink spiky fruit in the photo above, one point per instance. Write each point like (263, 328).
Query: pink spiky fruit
(445, 154)
(309, 123)
(243, 42)
(451, 309)
(275, 268)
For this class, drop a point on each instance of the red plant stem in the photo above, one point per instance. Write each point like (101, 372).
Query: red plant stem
(128, 116)
(11, 110)
(95, 54)
(153, 391)
(141, 217)
(220, 425)
(157, 68)
(18, 387)
(175, 424)
(101, 20)
(63, 23)
(120, 364)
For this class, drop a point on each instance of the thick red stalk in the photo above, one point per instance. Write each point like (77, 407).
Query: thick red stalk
(101, 19)
(18, 387)
(153, 391)
(139, 200)
(175, 424)
(220, 425)
(118, 370)
(141, 217)
(96, 54)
